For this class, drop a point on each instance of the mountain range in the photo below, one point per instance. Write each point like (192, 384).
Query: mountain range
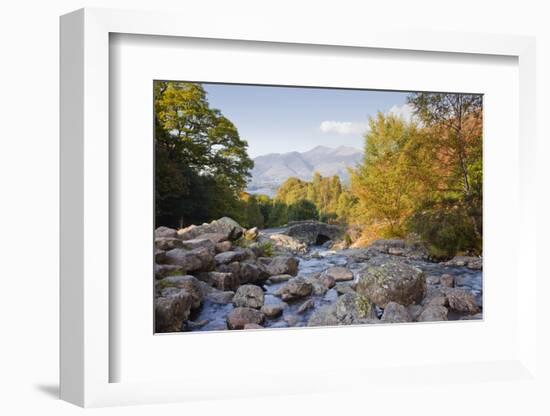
(271, 170)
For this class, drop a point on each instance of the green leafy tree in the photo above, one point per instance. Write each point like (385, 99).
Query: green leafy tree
(197, 149)
(254, 217)
(302, 210)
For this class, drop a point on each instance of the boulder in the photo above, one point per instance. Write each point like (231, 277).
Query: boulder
(253, 326)
(462, 301)
(327, 280)
(414, 311)
(273, 310)
(324, 316)
(226, 226)
(191, 285)
(394, 313)
(199, 242)
(354, 309)
(283, 265)
(343, 288)
(216, 238)
(160, 256)
(280, 278)
(435, 296)
(172, 311)
(339, 274)
(163, 270)
(250, 273)
(167, 243)
(234, 267)
(221, 297)
(228, 257)
(190, 260)
(319, 288)
(433, 313)
(295, 288)
(223, 246)
(249, 296)
(241, 316)
(284, 243)
(392, 281)
(447, 280)
(162, 232)
(224, 281)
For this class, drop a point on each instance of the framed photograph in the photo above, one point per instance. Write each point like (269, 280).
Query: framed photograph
(242, 208)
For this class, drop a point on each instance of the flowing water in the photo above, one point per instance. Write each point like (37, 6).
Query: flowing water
(316, 261)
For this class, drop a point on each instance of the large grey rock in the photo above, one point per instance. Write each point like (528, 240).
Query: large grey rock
(354, 309)
(319, 286)
(239, 317)
(198, 242)
(163, 270)
(165, 232)
(295, 288)
(392, 281)
(191, 285)
(171, 311)
(160, 256)
(200, 259)
(433, 313)
(283, 243)
(339, 274)
(395, 313)
(223, 246)
(280, 278)
(462, 301)
(226, 226)
(224, 281)
(221, 297)
(447, 280)
(324, 316)
(167, 243)
(250, 296)
(273, 310)
(228, 257)
(283, 265)
(251, 273)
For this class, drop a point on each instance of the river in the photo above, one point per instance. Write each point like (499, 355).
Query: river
(318, 259)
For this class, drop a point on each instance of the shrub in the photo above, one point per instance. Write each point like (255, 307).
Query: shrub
(447, 229)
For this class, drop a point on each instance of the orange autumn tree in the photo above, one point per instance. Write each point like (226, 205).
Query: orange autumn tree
(424, 177)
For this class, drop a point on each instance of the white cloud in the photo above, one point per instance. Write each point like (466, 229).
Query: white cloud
(405, 111)
(344, 127)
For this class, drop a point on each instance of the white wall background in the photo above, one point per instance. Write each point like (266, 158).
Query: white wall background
(29, 207)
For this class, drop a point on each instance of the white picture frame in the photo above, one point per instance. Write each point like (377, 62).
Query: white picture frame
(86, 353)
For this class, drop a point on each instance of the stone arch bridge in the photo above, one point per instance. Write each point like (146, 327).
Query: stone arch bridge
(314, 232)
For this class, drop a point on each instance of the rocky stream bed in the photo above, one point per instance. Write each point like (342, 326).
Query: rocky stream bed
(219, 276)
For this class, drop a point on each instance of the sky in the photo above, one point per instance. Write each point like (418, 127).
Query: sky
(286, 119)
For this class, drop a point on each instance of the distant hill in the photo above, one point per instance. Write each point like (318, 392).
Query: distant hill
(271, 170)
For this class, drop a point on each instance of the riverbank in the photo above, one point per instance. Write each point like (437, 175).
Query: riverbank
(220, 276)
